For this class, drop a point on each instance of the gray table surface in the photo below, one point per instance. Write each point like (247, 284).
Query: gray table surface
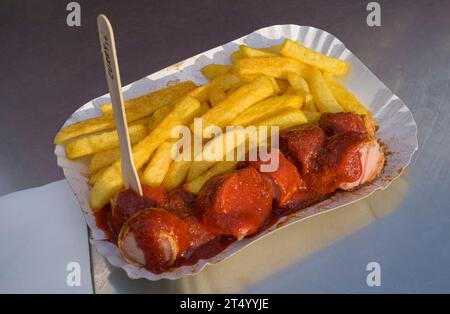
(49, 69)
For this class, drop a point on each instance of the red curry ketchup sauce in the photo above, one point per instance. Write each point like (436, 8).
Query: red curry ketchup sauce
(314, 162)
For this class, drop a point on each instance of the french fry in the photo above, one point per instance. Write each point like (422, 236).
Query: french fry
(110, 182)
(107, 157)
(370, 123)
(197, 168)
(312, 116)
(323, 97)
(216, 95)
(211, 71)
(347, 101)
(267, 108)
(224, 82)
(255, 112)
(350, 103)
(204, 107)
(218, 168)
(249, 52)
(144, 121)
(301, 87)
(309, 103)
(283, 85)
(91, 144)
(104, 159)
(277, 67)
(235, 56)
(291, 91)
(246, 78)
(234, 88)
(139, 108)
(275, 49)
(181, 88)
(158, 165)
(245, 96)
(156, 118)
(94, 176)
(308, 98)
(176, 174)
(201, 93)
(325, 63)
(298, 83)
(286, 119)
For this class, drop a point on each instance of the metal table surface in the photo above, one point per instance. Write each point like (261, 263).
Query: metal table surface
(50, 69)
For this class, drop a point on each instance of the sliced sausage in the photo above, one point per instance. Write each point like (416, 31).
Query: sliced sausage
(340, 162)
(183, 204)
(286, 177)
(236, 203)
(372, 162)
(304, 144)
(341, 122)
(156, 194)
(127, 203)
(153, 238)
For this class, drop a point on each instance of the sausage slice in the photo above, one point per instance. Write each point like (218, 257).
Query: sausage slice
(236, 203)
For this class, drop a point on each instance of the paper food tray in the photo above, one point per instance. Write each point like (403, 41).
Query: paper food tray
(398, 131)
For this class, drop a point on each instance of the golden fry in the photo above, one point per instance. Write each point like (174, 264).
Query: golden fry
(312, 116)
(181, 89)
(286, 119)
(91, 144)
(140, 107)
(249, 52)
(197, 168)
(283, 85)
(291, 91)
(216, 95)
(159, 115)
(234, 88)
(218, 168)
(111, 180)
(277, 67)
(176, 174)
(211, 71)
(267, 108)
(298, 83)
(301, 87)
(204, 107)
(224, 82)
(159, 164)
(275, 49)
(325, 63)
(309, 103)
(239, 100)
(253, 114)
(94, 176)
(323, 97)
(348, 102)
(104, 159)
(235, 56)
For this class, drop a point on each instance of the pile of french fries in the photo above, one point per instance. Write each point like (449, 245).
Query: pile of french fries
(283, 85)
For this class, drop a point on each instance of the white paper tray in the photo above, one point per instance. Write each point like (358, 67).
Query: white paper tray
(398, 131)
